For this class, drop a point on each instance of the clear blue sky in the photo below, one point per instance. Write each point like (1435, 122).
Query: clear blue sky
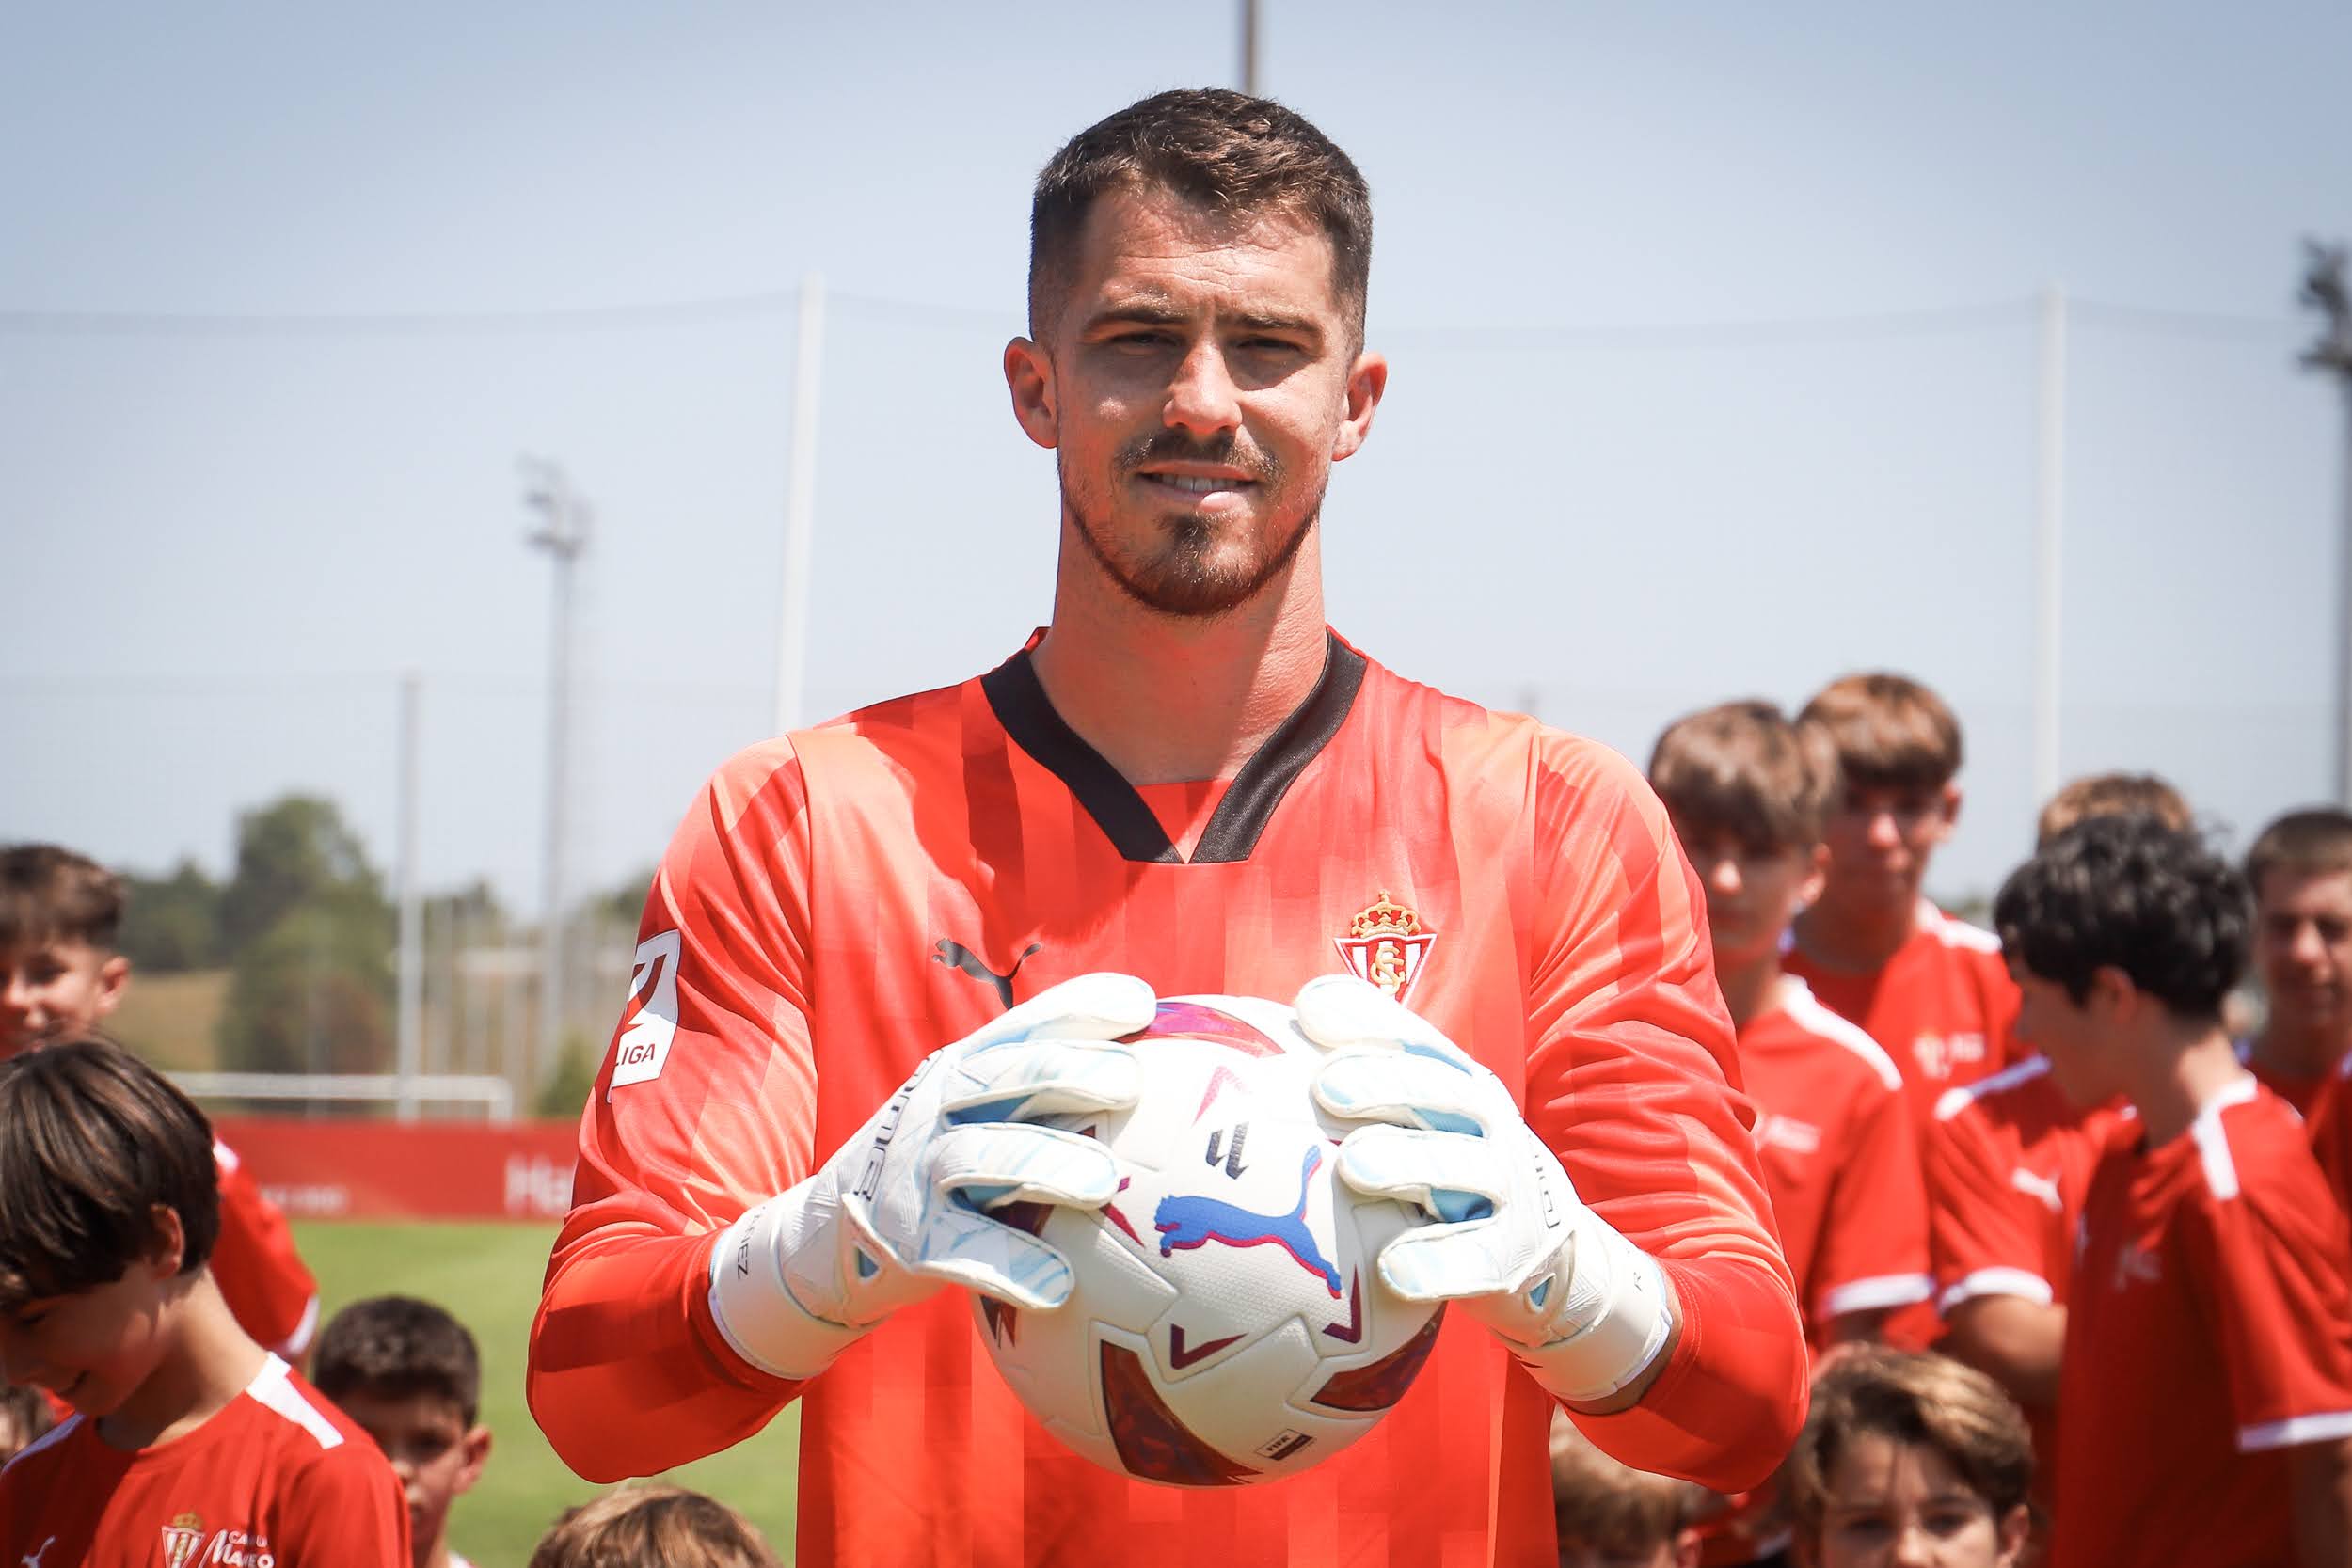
(1590, 491)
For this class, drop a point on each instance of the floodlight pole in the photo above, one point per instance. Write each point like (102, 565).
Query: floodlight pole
(1249, 47)
(410, 1037)
(799, 508)
(564, 535)
(2049, 540)
(2324, 289)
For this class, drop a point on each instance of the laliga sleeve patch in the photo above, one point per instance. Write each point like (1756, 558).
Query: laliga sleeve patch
(650, 1023)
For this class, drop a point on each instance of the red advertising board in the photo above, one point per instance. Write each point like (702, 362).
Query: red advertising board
(388, 1170)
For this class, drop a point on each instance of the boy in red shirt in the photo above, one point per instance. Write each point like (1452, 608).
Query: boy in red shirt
(60, 977)
(1747, 792)
(188, 1442)
(410, 1375)
(2300, 870)
(1928, 987)
(2009, 1163)
(2207, 1373)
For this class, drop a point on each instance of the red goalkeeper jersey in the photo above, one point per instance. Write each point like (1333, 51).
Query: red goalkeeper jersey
(840, 903)
(278, 1476)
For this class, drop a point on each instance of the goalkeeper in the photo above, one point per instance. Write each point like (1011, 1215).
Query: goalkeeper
(1185, 783)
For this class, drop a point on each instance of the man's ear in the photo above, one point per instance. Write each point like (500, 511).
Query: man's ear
(112, 976)
(1367, 380)
(2112, 993)
(1029, 377)
(1816, 878)
(1948, 808)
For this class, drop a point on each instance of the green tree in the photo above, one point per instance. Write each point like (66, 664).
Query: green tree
(293, 850)
(172, 923)
(310, 935)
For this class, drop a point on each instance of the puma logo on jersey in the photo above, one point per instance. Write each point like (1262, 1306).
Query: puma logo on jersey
(2043, 1187)
(32, 1560)
(955, 956)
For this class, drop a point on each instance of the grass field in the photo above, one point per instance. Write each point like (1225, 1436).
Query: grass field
(489, 1276)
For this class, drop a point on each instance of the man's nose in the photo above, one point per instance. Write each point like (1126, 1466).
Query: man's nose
(1914, 1548)
(1202, 398)
(2306, 948)
(1723, 876)
(1883, 829)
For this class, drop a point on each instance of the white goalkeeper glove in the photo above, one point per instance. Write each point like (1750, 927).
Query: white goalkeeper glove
(1584, 1310)
(904, 1206)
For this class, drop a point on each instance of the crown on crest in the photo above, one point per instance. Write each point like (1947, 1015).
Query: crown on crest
(1385, 918)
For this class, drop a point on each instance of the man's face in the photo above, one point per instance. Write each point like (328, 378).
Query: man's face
(95, 1348)
(1902, 1505)
(2068, 1032)
(1196, 385)
(1751, 895)
(53, 989)
(2303, 948)
(1880, 841)
(436, 1454)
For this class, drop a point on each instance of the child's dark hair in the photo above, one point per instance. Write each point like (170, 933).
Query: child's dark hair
(92, 1142)
(652, 1527)
(395, 1347)
(1916, 1400)
(2129, 893)
(1889, 730)
(49, 894)
(1745, 769)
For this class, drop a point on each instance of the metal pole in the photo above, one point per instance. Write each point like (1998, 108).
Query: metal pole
(799, 508)
(410, 1036)
(2343, 612)
(2324, 289)
(2049, 538)
(563, 535)
(1249, 47)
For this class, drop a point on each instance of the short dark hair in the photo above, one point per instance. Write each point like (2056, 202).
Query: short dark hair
(93, 1141)
(1744, 768)
(1917, 1399)
(1221, 150)
(1890, 731)
(2305, 843)
(50, 894)
(2130, 893)
(395, 1347)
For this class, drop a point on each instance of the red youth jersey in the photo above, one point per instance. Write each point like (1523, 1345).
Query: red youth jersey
(2304, 1094)
(840, 903)
(2210, 1329)
(2330, 1124)
(1944, 1006)
(2009, 1164)
(261, 1275)
(277, 1478)
(1839, 1160)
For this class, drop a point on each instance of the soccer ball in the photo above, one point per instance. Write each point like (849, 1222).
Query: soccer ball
(1226, 1324)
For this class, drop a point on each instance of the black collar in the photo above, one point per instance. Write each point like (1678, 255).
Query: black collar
(1021, 706)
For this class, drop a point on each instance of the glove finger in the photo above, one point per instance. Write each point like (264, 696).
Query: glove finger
(1337, 1011)
(1100, 1007)
(1455, 1179)
(970, 1249)
(1454, 1263)
(1010, 1082)
(981, 1167)
(1370, 1084)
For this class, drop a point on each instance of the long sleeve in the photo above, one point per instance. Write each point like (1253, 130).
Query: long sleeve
(263, 1279)
(1633, 1080)
(704, 1105)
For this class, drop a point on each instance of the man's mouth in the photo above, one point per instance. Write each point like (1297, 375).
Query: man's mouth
(1200, 485)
